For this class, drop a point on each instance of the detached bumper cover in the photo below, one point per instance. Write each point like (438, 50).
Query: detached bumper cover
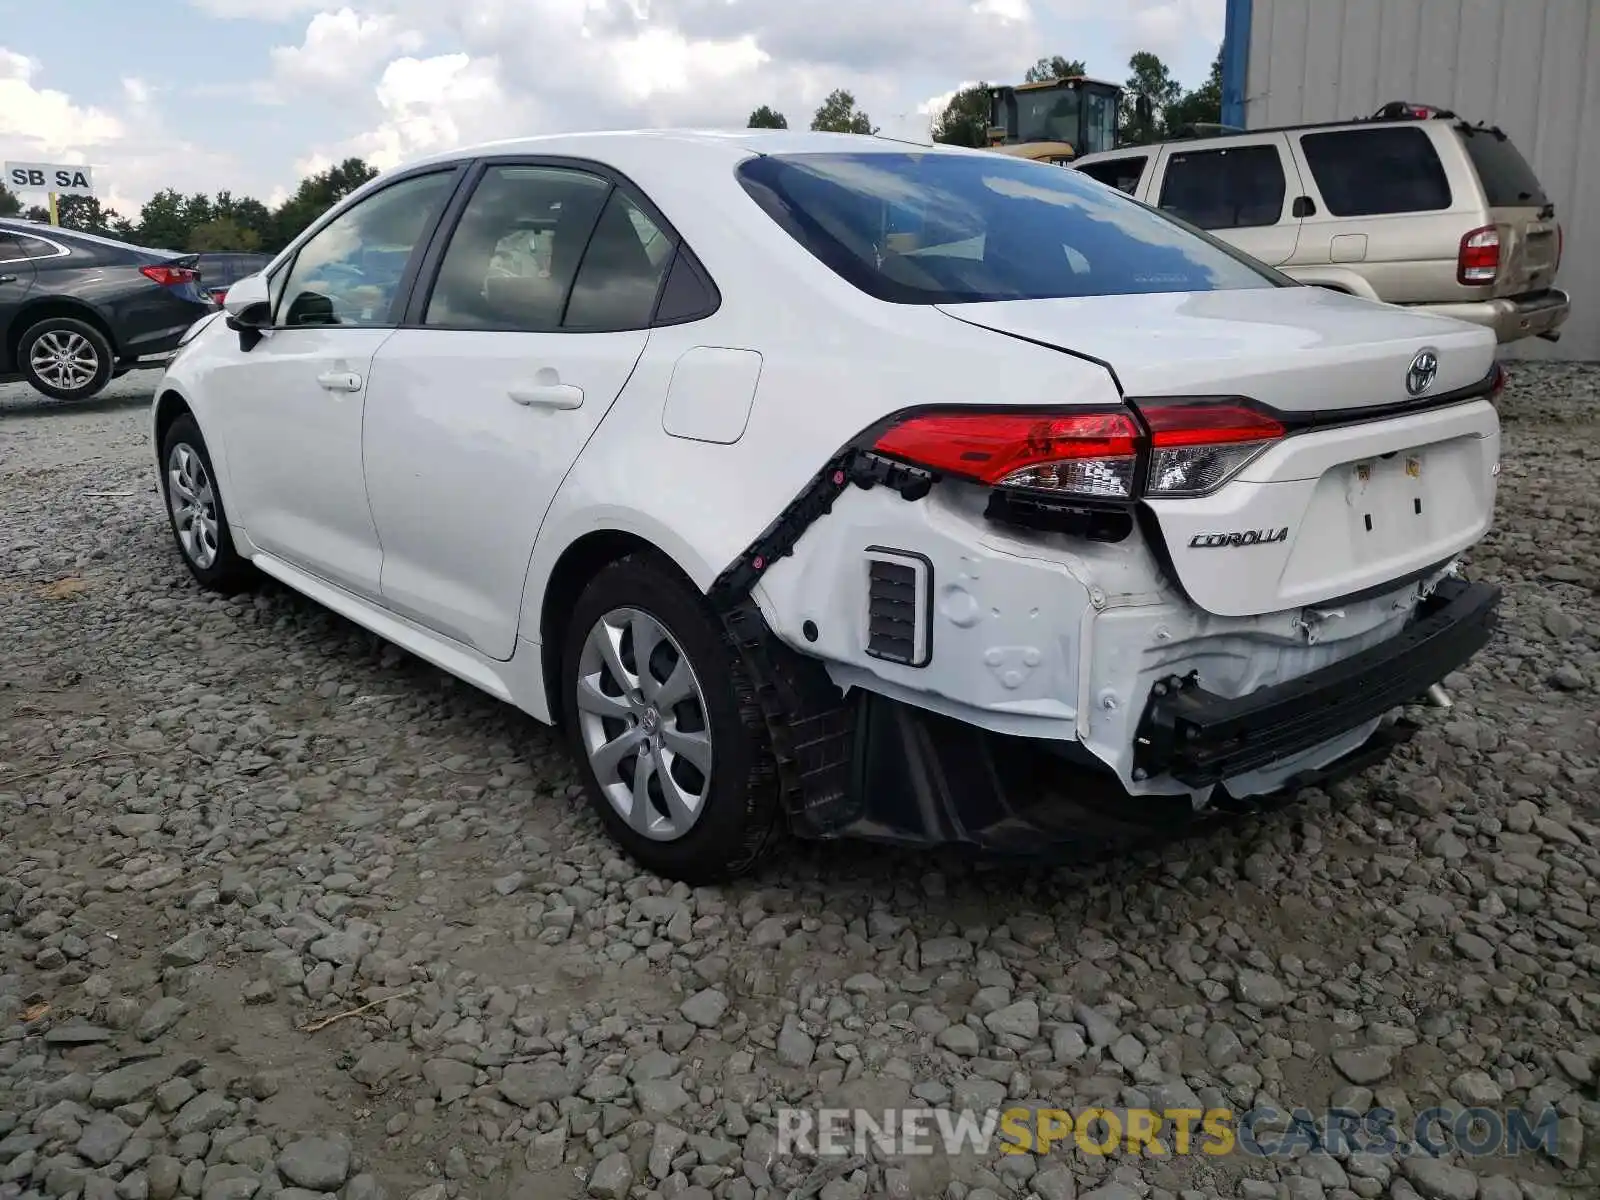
(1201, 738)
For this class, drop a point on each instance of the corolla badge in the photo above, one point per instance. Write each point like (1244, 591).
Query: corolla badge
(1424, 370)
(1247, 537)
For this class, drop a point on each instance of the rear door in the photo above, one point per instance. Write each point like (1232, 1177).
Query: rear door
(1383, 206)
(1243, 190)
(1518, 207)
(16, 277)
(527, 321)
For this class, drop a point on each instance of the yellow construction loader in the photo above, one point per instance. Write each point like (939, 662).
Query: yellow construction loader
(1055, 120)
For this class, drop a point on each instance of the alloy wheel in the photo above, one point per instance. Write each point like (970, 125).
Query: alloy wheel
(64, 359)
(642, 719)
(194, 505)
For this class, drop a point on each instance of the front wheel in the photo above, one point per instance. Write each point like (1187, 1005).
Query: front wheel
(65, 359)
(194, 508)
(663, 721)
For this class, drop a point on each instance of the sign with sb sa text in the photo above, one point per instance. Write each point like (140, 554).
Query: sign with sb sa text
(64, 179)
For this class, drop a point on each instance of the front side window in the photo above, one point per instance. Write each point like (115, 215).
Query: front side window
(931, 228)
(349, 272)
(1368, 172)
(1239, 187)
(513, 256)
(1121, 173)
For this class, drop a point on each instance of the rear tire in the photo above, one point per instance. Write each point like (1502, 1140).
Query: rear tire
(65, 358)
(195, 512)
(688, 704)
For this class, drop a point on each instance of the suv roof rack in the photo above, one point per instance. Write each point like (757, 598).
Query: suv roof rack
(1407, 110)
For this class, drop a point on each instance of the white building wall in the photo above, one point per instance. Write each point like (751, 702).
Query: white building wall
(1532, 67)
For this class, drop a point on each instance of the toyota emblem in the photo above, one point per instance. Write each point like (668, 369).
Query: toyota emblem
(1424, 370)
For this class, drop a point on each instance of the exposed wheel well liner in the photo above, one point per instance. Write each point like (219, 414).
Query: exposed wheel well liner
(169, 408)
(578, 564)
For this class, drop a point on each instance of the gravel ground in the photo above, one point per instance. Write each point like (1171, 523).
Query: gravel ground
(227, 822)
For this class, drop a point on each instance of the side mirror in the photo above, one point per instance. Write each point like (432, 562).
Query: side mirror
(249, 310)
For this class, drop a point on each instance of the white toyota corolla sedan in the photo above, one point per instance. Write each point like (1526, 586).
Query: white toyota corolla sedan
(843, 486)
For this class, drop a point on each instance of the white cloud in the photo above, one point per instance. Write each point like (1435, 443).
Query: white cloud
(37, 121)
(341, 52)
(1171, 28)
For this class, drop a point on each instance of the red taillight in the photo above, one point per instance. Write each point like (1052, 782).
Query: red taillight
(1479, 261)
(1087, 454)
(1501, 378)
(1194, 447)
(169, 276)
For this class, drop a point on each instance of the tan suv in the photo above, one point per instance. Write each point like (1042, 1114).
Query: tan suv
(1412, 206)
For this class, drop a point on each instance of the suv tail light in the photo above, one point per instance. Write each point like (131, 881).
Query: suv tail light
(1188, 448)
(169, 276)
(1479, 261)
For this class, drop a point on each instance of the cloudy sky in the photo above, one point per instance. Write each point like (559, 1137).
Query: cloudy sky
(248, 95)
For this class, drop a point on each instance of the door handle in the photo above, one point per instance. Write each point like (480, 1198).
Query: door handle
(8, 278)
(548, 395)
(340, 381)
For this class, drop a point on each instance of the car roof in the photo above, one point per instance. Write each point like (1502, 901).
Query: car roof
(41, 230)
(704, 144)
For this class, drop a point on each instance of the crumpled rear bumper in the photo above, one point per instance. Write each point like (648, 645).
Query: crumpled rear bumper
(1201, 738)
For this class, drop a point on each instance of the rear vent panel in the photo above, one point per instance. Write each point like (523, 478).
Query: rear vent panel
(899, 586)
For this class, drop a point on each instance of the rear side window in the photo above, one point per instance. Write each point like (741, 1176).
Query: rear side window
(627, 257)
(1508, 180)
(514, 253)
(1370, 172)
(1239, 187)
(919, 228)
(14, 247)
(1121, 173)
(10, 248)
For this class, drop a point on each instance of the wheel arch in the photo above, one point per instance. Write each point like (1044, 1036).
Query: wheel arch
(579, 562)
(34, 311)
(170, 405)
(1335, 279)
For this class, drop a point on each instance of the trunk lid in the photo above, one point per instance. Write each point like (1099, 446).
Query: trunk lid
(1299, 349)
(1341, 506)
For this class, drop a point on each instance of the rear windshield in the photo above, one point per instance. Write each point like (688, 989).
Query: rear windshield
(1508, 180)
(942, 228)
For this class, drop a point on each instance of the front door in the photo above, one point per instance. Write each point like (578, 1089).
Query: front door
(1243, 190)
(539, 310)
(291, 407)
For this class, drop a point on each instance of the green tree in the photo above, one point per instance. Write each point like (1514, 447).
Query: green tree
(37, 212)
(223, 233)
(767, 117)
(315, 196)
(839, 114)
(1199, 107)
(1148, 77)
(1054, 67)
(965, 120)
(10, 206)
(164, 219)
(87, 214)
